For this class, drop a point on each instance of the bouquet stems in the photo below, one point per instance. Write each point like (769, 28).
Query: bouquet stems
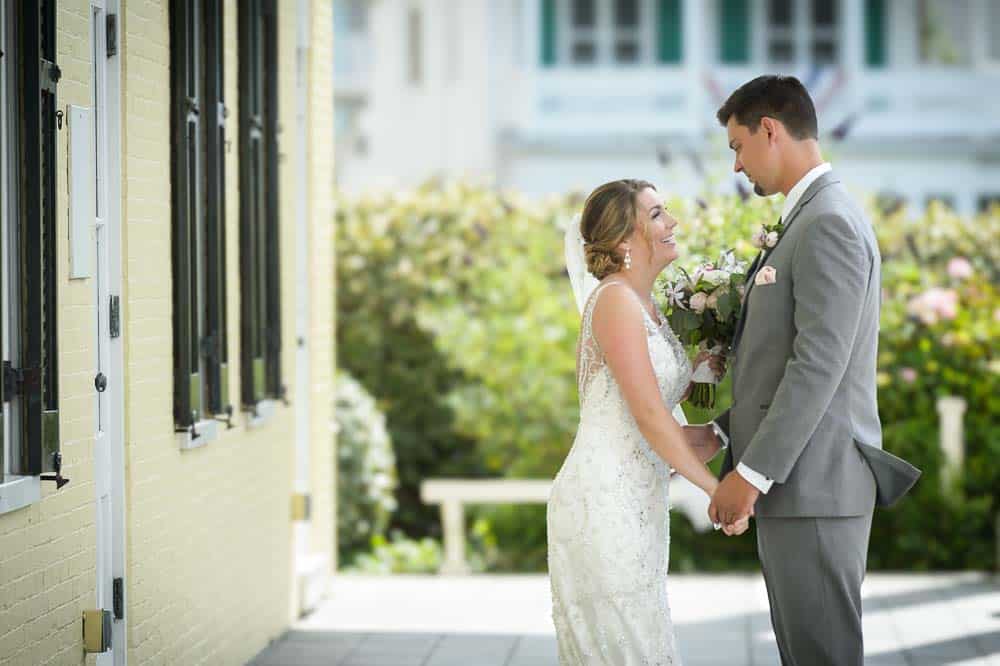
(703, 396)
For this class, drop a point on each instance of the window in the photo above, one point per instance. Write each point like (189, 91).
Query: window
(260, 265)
(28, 279)
(619, 32)
(801, 30)
(198, 130)
(415, 46)
(993, 31)
(356, 12)
(945, 27)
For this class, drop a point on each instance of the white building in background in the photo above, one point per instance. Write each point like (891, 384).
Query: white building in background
(550, 95)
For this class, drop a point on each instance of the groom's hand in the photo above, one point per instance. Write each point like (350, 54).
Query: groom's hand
(733, 500)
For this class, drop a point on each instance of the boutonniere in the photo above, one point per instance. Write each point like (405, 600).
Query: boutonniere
(768, 235)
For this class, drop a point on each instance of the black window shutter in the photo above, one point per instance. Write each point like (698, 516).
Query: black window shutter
(185, 126)
(260, 253)
(272, 321)
(3, 245)
(215, 342)
(252, 202)
(37, 378)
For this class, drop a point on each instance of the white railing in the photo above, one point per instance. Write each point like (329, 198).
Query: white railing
(454, 494)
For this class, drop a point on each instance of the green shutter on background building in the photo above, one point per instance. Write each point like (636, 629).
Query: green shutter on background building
(734, 31)
(669, 21)
(875, 33)
(548, 32)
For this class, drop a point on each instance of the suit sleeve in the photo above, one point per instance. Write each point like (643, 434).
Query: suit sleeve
(830, 272)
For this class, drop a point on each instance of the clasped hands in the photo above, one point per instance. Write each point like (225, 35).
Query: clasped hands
(733, 500)
(732, 504)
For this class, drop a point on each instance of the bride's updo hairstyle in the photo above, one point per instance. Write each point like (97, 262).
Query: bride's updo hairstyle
(609, 216)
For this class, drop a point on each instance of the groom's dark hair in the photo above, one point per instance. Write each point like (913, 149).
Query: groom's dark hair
(783, 98)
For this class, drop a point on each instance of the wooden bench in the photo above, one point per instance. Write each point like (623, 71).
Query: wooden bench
(454, 494)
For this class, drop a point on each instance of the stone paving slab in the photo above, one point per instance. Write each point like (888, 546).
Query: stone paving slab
(910, 620)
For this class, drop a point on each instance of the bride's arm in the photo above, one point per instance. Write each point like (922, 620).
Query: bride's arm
(621, 334)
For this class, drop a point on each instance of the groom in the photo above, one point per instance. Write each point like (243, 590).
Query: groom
(805, 454)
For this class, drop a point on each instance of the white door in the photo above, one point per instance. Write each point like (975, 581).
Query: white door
(109, 377)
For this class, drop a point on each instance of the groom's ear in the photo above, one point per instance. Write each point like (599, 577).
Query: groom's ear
(770, 127)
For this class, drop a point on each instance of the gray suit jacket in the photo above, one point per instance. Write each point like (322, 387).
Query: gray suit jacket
(804, 409)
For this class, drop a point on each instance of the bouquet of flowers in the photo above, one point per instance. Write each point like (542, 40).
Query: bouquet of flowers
(703, 308)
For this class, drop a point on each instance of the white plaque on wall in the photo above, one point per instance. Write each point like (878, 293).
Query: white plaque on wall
(82, 212)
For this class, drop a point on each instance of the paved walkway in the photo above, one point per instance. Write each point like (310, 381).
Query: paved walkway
(910, 620)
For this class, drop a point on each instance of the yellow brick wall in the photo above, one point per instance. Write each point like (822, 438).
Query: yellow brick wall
(209, 565)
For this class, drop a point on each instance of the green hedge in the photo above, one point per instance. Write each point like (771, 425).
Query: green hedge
(455, 313)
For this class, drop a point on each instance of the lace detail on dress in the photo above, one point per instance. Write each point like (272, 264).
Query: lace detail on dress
(589, 357)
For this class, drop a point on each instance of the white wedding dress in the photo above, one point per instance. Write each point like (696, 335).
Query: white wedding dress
(608, 520)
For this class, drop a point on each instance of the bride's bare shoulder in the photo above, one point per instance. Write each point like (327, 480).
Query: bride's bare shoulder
(616, 304)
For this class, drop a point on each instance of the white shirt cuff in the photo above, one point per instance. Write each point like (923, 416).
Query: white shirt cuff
(756, 479)
(723, 437)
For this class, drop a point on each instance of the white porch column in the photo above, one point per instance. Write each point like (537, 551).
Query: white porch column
(453, 523)
(853, 56)
(695, 43)
(951, 409)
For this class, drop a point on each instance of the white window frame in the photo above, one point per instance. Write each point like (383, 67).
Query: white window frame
(605, 35)
(15, 491)
(803, 33)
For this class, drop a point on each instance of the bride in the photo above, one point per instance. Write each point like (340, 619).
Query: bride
(608, 522)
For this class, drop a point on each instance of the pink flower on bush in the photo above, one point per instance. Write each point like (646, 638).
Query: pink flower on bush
(908, 375)
(959, 268)
(934, 304)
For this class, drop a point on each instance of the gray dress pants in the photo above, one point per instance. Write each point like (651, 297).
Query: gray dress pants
(813, 568)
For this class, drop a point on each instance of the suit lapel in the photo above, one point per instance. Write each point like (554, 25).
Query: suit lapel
(819, 184)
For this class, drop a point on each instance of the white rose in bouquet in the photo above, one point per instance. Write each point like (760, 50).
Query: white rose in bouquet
(698, 302)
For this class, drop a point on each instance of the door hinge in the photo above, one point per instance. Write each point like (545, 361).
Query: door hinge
(111, 33)
(118, 597)
(96, 631)
(114, 317)
(19, 381)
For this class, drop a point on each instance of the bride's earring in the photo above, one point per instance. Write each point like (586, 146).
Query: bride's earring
(628, 259)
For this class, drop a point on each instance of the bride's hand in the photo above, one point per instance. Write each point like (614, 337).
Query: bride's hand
(739, 527)
(717, 363)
